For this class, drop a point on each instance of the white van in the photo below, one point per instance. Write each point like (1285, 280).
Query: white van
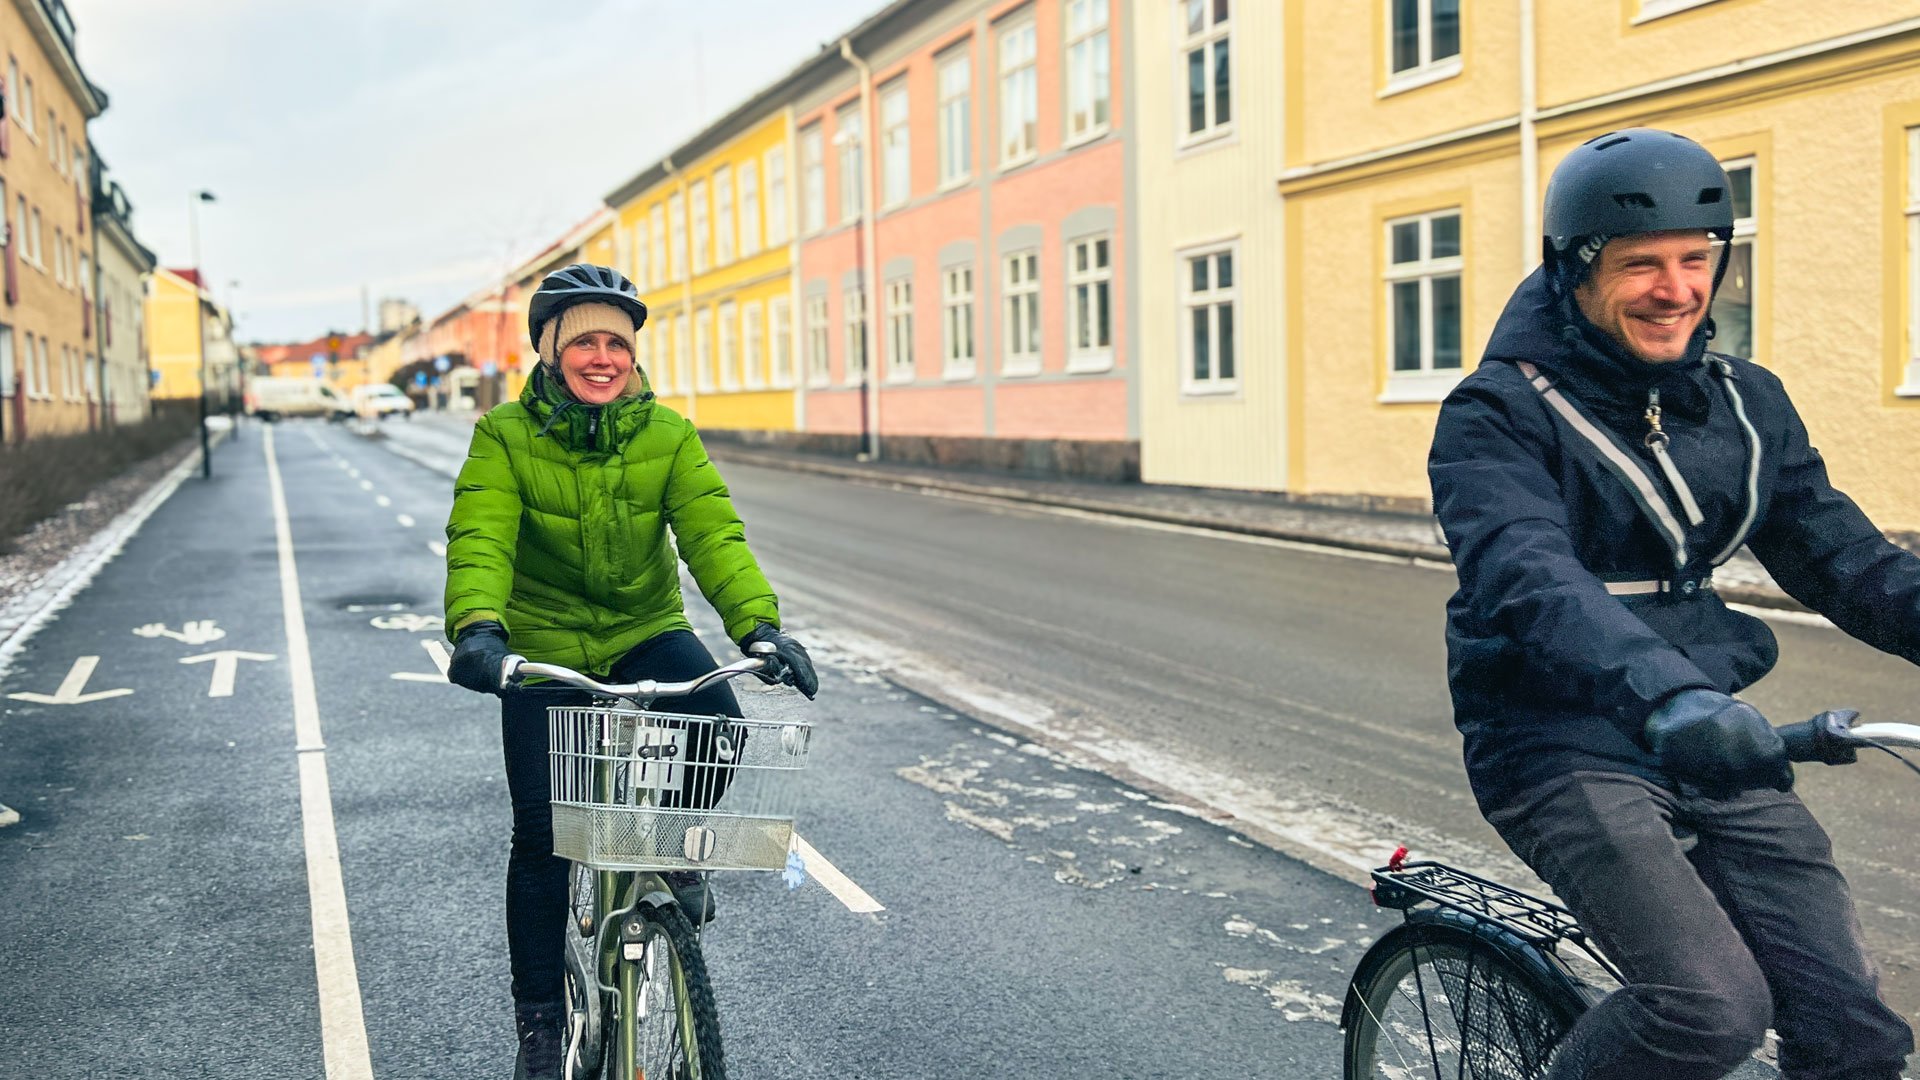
(377, 400)
(272, 398)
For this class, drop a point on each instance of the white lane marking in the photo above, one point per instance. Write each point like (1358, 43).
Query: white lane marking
(8, 816)
(829, 876)
(225, 664)
(412, 622)
(191, 632)
(365, 485)
(343, 1023)
(405, 520)
(436, 649)
(382, 501)
(437, 548)
(353, 472)
(70, 687)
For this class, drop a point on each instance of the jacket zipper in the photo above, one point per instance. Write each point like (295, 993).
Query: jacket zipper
(1656, 441)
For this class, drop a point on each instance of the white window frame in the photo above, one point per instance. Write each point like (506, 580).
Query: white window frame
(1428, 68)
(1910, 387)
(677, 230)
(26, 106)
(780, 341)
(643, 350)
(956, 117)
(725, 225)
(682, 354)
(703, 350)
(1193, 302)
(1022, 329)
(776, 169)
(1096, 282)
(641, 266)
(89, 378)
(1018, 53)
(1745, 230)
(1089, 71)
(819, 347)
(853, 317)
(899, 292)
(959, 335)
(749, 181)
(30, 372)
(813, 181)
(896, 146)
(849, 128)
(753, 345)
(657, 226)
(39, 241)
(699, 218)
(1660, 9)
(13, 87)
(9, 376)
(1203, 40)
(727, 336)
(1427, 383)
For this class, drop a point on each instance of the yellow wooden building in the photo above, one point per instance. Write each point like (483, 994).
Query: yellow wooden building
(174, 347)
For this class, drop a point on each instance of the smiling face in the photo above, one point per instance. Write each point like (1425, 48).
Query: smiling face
(596, 366)
(1650, 291)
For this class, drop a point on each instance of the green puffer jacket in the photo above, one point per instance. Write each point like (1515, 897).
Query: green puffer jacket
(559, 529)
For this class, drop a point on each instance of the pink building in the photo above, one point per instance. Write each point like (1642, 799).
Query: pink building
(984, 313)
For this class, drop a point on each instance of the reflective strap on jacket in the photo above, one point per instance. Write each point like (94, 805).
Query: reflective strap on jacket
(1725, 371)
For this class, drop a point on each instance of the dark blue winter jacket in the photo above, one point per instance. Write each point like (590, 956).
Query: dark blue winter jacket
(1552, 672)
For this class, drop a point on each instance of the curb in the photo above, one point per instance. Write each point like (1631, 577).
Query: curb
(1733, 594)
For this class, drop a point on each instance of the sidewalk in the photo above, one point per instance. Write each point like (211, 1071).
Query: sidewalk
(1742, 580)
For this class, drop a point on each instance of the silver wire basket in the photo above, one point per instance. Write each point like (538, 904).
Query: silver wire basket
(636, 790)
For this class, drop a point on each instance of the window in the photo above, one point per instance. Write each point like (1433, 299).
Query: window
(753, 345)
(677, 225)
(780, 337)
(1019, 95)
(61, 156)
(59, 257)
(729, 358)
(1090, 305)
(1425, 38)
(1423, 291)
(67, 388)
(657, 227)
(640, 254)
(855, 317)
(1209, 69)
(813, 181)
(896, 165)
(643, 349)
(29, 373)
(703, 349)
(1910, 387)
(817, 334)
(749, 208)
(1209, 344)
(13, 105)
(1020, 285)
(956, 309)
(852, 184)
(682, 355)
(1654, 9)
(39, 239)
(26, 104)
(956, 119)
(1089, 75)
(725, 224)
(1732, 310)
(777, 196)
(6, 362)
(699, 208)
(900, 330)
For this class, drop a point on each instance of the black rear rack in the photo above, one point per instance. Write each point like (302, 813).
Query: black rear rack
(1540, 923)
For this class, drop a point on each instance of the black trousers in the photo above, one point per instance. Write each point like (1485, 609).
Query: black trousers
(536, 877)
(1726, 915)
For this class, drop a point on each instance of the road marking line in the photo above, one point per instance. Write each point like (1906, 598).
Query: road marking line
(225, 664)
(436, 649)
(829, 876)
(343, 1024)
(405, 520)
(437, 548)
(366, 485)
(71, 687)
(382, 500)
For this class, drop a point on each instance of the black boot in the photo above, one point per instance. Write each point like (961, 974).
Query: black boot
(541, 1046)
(694, 895)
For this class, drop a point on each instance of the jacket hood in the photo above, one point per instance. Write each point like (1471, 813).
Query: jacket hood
(578, 425)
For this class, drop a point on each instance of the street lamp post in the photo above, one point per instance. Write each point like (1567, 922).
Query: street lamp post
(199, 326)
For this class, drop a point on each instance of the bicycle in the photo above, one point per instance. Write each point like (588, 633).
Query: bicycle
(636, 794)
(1476, 981)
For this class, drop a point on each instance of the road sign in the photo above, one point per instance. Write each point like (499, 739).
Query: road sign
(491, 369)
(419, 378)
(319, 365)
(441, 363)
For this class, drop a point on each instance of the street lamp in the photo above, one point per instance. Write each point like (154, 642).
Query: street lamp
(199, 327)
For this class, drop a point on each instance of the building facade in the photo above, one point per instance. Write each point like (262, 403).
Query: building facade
(178, 342)
(121, 268)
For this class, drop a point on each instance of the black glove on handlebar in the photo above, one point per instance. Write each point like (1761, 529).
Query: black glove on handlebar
(479, 657)
(789, 663)
(1718, 742)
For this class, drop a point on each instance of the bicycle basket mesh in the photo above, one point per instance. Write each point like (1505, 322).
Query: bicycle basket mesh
(636, 790)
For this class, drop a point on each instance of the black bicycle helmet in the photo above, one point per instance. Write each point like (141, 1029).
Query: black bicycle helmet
(579, 284)
(1638, 180)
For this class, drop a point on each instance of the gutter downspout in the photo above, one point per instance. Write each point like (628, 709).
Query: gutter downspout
(685, 259)
(1530, 249)
(870, 276)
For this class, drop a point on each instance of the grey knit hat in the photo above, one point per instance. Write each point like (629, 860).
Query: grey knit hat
(578, 321)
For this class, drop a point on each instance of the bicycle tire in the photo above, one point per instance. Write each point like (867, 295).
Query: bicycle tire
(680, 995)
(1444, 995)
(587, 1036)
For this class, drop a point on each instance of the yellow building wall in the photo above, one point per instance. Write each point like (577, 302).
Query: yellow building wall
(173, 344)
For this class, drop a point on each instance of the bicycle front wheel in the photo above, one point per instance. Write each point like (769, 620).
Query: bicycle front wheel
(669, 1028)
(1442, 997)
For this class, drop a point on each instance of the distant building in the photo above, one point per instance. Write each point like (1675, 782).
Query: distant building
(175, 347)
(397, 315)
(123, 265)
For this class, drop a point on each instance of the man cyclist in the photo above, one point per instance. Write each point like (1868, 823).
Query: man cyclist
(558, 544)
(1590, 475)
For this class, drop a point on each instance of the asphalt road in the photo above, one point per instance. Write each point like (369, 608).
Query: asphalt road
(157, 901)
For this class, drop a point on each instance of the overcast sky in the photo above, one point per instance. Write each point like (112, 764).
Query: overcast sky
(416, 147)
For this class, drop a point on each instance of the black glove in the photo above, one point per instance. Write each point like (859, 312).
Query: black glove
(479, 657)
(789, 662)
(1717, 742)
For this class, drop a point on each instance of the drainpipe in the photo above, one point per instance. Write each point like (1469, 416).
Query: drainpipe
(685, 258)
(1529, 144)
(871, 277)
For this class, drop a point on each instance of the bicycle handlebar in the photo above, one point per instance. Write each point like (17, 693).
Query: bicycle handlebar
(642, 693)
(1833, 738)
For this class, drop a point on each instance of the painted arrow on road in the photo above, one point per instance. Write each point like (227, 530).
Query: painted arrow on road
(70, 687)
(436, 649)
(225, 664)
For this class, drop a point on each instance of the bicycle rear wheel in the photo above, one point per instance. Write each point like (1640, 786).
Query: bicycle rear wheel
(671, 1031)
(1441, 996)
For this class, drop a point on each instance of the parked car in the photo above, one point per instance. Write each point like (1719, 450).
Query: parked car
(272, 399)
(379, 400)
